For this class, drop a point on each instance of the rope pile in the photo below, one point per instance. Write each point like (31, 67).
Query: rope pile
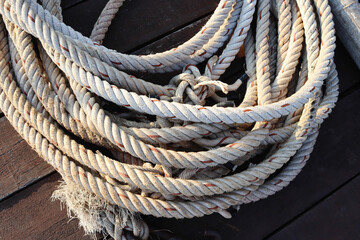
(177, 151)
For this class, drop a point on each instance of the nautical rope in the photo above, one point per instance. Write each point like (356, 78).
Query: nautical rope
(129, 146)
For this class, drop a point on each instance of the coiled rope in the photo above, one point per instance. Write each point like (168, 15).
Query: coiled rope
(177, 151)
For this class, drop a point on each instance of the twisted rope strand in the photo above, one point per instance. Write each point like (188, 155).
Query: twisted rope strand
(174, 150)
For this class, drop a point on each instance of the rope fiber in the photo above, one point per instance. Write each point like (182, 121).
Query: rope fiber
(126, 146)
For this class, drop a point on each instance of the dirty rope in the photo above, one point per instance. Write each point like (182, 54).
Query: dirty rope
(125, 146)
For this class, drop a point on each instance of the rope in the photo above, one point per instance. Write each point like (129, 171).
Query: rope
(177, 151)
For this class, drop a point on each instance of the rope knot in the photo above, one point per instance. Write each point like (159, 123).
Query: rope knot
(198, 86)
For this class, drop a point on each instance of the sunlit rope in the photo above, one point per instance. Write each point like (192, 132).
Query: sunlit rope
(177, 151)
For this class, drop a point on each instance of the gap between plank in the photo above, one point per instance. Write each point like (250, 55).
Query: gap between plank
(147, 43)
(36, 180)
(311, 207)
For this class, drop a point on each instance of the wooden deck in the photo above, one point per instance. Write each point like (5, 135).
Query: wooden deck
(321, 203)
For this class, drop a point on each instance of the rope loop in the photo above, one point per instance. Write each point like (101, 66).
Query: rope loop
(185, 149)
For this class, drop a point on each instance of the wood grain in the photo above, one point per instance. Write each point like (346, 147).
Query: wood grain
(30, 214)
(19, 164)
(336, 218)
(138, 22)
(65, 4)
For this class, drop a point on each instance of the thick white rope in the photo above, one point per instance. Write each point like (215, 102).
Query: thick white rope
(174, 150)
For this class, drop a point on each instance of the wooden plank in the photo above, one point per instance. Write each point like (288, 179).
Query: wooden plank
(348, 70)
(337, 217)
(19, 164)
(30, 214)
(172, 40)
(138, 22)
(65, 4)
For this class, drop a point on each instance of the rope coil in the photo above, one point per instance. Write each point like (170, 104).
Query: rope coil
(178, 151)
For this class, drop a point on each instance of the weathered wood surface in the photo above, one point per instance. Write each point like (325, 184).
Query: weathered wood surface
(334, 161)
(65, 4)
(30, 214)
(19, 164)
(139, 22)
(339, 215)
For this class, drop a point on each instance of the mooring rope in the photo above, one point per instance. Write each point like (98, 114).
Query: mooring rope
(126, 146)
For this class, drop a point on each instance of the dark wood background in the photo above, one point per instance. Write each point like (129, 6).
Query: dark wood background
(321, 203)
